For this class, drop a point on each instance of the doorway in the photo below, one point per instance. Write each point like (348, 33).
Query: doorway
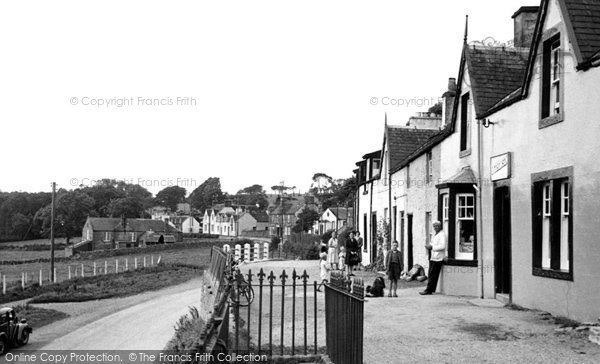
(502, 240)
(409, 240)
(374, 236)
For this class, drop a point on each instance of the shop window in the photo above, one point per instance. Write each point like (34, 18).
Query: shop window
(465, 226)
(552, 224)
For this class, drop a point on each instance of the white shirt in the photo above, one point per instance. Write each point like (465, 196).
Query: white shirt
(438, 246)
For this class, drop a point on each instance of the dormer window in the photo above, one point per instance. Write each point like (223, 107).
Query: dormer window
(552, 66)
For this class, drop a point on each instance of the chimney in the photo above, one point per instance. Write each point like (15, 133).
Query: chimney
(448, 101)
(524, 20)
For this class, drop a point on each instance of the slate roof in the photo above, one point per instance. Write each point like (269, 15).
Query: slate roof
(103, 223)
(376, 153)
(494, 73)
(341, 212)
(430, 143)
(584, 16)
(260, 216)
(402, 141)
(465, 176)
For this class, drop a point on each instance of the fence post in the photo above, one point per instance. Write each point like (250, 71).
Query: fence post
(158, 260)
(135, 263)
(247, 252)
(4, 284)
(55, 279)
(266, 251)
(82, 271)
(226, 248)
(22, 280)
(144, 262)
(41, 278)
(69, 272)
(105, 267)
(152, 260)
(116, 265)
(126, 265)
(94, 269)
(256, 255)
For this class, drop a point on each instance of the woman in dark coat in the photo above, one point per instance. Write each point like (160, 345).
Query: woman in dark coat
(352, 253)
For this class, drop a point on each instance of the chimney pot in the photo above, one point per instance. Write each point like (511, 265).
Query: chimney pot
(451, 84)
(524, 25)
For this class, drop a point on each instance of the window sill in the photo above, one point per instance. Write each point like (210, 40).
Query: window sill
(550, 120)
(461, 263)
(464, 153)
(555, 274)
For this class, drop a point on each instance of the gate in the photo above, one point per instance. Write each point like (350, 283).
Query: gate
(344, 314)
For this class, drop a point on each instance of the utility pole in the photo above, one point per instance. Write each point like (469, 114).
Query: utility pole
(52, 232)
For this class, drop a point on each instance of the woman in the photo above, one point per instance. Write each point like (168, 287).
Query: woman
(352, 252)
(332, 253)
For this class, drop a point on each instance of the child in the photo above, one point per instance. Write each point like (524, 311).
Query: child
(325, 268)
(393, 262)
(342, 256)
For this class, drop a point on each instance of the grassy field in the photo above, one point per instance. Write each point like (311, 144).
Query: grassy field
(37, 242)
(198, 257)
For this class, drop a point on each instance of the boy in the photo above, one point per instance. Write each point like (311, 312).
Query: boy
(393, 263)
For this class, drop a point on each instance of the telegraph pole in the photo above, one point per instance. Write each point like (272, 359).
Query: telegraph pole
(52, 232)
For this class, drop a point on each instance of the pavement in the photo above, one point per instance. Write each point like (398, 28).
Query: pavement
(448, 329)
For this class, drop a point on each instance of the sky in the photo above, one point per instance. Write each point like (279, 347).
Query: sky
(254, 92)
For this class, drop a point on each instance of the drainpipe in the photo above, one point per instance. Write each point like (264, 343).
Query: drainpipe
(392, 228)
(479, 190)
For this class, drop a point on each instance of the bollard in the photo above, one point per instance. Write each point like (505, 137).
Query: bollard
(105, 267)
(152, 260)
(82, 271)
(247, 252)
(41, 278)
(94, 269)
(238, 251)
(69, 272)
(55, 279)
(116, 265)
(135, 263)
(256, 255)
(226, 248)
(126, 265)
(144, 262)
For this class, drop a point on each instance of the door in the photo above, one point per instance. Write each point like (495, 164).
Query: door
(409, 240)
(373, 236)
(502, 240)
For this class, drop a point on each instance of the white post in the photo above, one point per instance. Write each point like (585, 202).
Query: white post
(116, 265)
(4, 284)
(69, 272)
(105, 267)
(266, 252)
(23, 280)
(55, 279)
(247, 252)
(82, 271)
(126, 265)
(94, 269)
(158, 261)
(238, 251)
(135, 263)
(226, 248)
(41, 278)
(256, 255)
(26, 279)
(144, 262)
(152, 260)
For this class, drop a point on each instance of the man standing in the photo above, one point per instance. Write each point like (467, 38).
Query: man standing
(438, 253)
(359, 241)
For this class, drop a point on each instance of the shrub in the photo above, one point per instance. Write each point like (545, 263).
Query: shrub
(274, 243)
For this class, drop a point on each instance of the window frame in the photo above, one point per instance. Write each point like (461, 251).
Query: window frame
(560, 179)
(465, 125)
(551, 80)
(428, 167)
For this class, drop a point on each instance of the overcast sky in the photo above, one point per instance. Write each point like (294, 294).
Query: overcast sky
(251, 91)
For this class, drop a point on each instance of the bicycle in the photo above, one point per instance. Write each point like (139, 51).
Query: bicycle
(242, 292)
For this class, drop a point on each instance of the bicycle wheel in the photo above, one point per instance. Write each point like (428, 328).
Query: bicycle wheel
(246, 295)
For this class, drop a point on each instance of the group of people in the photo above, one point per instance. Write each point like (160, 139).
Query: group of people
(345, 257)
(348, 256)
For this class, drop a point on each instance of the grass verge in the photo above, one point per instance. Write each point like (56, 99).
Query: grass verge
(38, 317)
(188, 331)
(107, 286)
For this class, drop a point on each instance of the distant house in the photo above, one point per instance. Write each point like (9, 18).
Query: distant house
(283, 217)
(334, 218)
(185, 224)
(253, 221)
(101, 233)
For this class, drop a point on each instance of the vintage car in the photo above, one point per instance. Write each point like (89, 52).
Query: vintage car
(12, 331)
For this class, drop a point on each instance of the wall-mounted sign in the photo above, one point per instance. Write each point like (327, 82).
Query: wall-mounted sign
(500, 167)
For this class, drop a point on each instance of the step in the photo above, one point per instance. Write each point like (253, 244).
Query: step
(503, 297)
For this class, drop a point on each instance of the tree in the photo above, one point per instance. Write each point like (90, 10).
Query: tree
(306, 220)
(128, 206)
(436, 109)
(103, 192)
(170, 197)
(339, 193)
(322, 183)
(252, 196)
(207, 194)
(72, 209)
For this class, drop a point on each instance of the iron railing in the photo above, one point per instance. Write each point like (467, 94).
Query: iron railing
(344, 314)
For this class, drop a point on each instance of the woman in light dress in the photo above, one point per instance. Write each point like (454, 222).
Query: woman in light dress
(333, 252)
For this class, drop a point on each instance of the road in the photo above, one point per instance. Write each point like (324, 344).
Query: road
(141, 322)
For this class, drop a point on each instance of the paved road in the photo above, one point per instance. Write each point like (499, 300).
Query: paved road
(146, 326)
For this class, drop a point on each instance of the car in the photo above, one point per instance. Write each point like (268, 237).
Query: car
(13, 333)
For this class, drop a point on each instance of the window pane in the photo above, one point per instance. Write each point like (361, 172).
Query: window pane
(466, 236)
